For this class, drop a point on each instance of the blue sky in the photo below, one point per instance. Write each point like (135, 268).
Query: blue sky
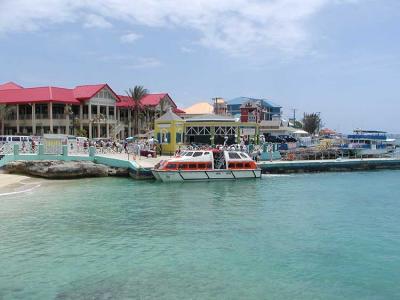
(337, 57)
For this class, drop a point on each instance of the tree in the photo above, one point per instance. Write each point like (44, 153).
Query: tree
(68, 111)
(298, 124)
(312, 122)
(162, 107)
(81, 132)
(5, 111)
(137, 94)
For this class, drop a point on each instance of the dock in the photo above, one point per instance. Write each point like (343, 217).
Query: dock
(329, 165)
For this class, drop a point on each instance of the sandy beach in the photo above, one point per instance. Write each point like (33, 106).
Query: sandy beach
(9, 180)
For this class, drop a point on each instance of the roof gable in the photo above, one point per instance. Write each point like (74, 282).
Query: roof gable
(87, 91)
(10, 86)
(169, 116)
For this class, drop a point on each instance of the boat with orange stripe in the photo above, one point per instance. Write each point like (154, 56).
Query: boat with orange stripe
(210, 164)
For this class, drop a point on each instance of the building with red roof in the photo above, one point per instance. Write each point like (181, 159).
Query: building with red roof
(97, 109)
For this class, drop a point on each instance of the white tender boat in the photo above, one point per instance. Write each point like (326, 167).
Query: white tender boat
(207, 165)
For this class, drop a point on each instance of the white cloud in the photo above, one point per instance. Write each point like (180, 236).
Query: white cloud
(185, 49)
(143, 63)
(95, 21)
(130, 38)
(234, 26)
(130, 61)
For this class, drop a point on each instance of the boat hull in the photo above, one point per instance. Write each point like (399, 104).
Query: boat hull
(181, 176)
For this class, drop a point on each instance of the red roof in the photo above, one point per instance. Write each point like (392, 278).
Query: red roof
(11, 93)
(10, 86)
(84, 92)
(38, 95)
(148, 100)
(178, 111)
(16, 94)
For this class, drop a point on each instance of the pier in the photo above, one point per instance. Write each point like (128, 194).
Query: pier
(329, 165)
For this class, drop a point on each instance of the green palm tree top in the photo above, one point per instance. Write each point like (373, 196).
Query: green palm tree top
(137, 94)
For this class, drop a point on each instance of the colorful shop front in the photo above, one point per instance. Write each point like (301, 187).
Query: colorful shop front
(172, 131)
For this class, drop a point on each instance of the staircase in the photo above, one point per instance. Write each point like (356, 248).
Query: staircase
(115, 130)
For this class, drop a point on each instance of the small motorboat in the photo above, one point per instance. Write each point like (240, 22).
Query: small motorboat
(207, 165)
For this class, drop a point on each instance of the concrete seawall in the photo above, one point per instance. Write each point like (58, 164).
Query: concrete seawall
(339, 165)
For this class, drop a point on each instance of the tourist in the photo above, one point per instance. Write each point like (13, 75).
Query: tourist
(33, 145)
(126, 146)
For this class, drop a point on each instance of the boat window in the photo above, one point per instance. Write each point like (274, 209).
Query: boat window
(206, 153)
(188, 153)
(201, 166)
(239, 165)
(233, 155)
(247, 165)
(16, 139)
(182, 166)
(171, 166)
(196, 154)
(209, 166)
(242, 155)
(192, 166)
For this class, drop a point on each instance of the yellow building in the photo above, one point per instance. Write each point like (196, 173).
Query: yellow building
(172, 131)
(169, 130)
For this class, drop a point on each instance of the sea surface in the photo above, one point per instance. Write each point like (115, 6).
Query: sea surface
(313, 236)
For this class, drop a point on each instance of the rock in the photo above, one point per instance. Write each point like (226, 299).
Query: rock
(63, 169)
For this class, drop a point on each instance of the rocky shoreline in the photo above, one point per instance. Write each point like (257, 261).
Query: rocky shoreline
(52, 169)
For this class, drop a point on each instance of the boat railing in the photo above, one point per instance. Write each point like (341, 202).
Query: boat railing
(367, 137)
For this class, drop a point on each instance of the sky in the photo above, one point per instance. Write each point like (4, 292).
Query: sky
(337, 57)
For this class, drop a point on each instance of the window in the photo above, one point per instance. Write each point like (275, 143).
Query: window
(209, 166)
(247, 165)
(233, 155)
(182, 166)
(196, 154)
(171, 166)
(239, 165)
(192, 166)
(201, 166)
(242, 155)
(189, 154)
(15, 139)
(206, 153)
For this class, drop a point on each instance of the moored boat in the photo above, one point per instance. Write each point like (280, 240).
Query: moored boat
(207, 165)
(367, 142)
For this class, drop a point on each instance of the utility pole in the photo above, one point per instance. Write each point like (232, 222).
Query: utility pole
(294, 117)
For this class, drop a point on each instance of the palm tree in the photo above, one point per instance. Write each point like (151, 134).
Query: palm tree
(69, 111)
(162, 107)
(137, 94)
(5, 111)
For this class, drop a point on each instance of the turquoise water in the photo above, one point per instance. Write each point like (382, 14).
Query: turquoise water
(319, 236)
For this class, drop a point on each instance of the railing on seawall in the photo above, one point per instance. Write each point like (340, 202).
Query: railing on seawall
(15, 153)
(40, 154)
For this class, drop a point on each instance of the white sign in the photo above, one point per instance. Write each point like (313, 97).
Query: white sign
(164, 125)
(247, 131)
